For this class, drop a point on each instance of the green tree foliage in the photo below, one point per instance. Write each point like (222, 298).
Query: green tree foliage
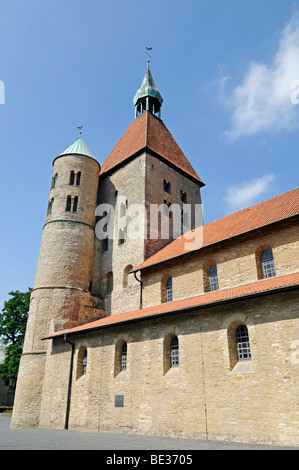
(13, 319)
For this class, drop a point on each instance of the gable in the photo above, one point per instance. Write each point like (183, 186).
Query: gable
(147, 132)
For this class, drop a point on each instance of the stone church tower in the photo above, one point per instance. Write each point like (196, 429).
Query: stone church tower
(81, 276)
(62, 286)
(146, 168)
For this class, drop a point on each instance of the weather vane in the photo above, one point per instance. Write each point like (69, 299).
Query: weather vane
(147, 52)
(80, 127)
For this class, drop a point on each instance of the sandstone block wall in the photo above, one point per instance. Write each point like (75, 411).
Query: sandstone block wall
(206, 396)
(236, 264)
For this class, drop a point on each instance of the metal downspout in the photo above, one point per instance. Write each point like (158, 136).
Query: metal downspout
(141, 284)
(69, 390)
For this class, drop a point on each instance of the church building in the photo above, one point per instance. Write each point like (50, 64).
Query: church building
(145, 320)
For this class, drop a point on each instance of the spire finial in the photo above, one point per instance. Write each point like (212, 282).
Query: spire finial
(80, 132)
(147, 53)
(148, 97)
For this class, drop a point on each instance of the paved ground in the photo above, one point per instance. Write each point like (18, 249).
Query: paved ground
(51, 439)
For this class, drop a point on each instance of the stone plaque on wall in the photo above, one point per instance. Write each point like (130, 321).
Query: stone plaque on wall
(119, 400)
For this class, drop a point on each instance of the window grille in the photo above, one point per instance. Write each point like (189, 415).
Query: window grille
(124, 357)
(213, 277)
(268, 263)
(174, 352)
(243, 346)
(169, 295)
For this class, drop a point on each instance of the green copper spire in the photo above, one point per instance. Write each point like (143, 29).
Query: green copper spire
(79, 147)
(148, 97)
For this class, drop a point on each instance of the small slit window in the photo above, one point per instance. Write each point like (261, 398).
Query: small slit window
(72, 178)
(183, 197)
(84, 362)
(78, 178)
(81, 362)
(167, 186)
(50, 206)
(68, 204)
(127, 279)
(109, 283)
(75, 204)
(105, 244)
(54, 179)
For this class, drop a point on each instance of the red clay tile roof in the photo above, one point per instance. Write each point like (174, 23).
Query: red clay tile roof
(149, 132)
(265, 213)
(255, 288)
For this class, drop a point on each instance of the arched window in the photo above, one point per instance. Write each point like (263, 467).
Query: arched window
(81, 362)
(242, 341)
(174, 352)
(167, 186)
(109, 282)
(169, 295)
(72, 178)
(75, 204)
(213, 277)
(127, 279)
(53, 182)
(84, 362)
(78, 178)
(68, 204)
(124, 356)
(120, 359)
(50, 206)
(268, 263)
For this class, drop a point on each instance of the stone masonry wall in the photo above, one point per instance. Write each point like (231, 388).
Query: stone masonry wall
(206, 396)
(236, 264)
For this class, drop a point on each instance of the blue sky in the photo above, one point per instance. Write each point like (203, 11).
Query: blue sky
(225, 69)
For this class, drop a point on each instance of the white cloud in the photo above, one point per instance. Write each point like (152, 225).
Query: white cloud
(262, 102)
(241, 196)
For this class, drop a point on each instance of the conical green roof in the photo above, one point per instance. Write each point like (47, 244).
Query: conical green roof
(79, 147)
(148, 88)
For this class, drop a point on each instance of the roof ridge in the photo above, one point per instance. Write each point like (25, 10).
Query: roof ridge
(145, 132)
(228, 294)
